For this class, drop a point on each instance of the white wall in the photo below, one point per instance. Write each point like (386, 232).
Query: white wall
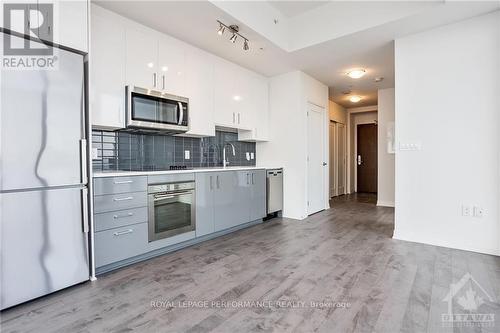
(337, 112)
(287, 147)
(385, 178)
(447, 99)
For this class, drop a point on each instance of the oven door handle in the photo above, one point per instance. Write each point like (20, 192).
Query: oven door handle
(170, 195)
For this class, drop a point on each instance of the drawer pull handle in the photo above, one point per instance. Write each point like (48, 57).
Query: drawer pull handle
(124, 182)
(124, 232)
(123, 199)
(122, 216)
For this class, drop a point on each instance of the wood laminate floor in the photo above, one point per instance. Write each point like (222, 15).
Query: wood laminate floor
(336, 271)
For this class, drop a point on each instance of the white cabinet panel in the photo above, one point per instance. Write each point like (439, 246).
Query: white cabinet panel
(257, 114)
(107, 73)
(200, 91)
(225, 97)
(171, 66)
(142, 59)
(71, 23)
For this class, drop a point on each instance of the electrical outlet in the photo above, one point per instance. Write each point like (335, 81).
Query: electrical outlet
(187, 154)
(478, 211)
(466, 210)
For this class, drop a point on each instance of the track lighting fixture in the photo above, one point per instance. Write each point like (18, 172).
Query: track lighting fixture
(234, 29)
(221, 29)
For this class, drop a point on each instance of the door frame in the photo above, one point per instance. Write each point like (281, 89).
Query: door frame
(356, 150)
(325, 155)
(344, 159)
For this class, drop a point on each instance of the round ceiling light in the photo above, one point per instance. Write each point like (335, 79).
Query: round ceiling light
(356, 73)
(355, 99)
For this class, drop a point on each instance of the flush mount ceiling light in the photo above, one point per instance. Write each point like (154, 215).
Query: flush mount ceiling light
(234, 30)
(355, 99)
(356, 73)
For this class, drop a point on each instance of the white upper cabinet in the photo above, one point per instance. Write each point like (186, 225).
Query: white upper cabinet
(142, 59)
(232, 95)
(107, 72)
(171, 66)
(63, 23)
(71, 21)
(257, 114)
(200, 91)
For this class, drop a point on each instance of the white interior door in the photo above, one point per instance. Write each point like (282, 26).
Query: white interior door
(333, 159)
(316, 165)
(341, 158)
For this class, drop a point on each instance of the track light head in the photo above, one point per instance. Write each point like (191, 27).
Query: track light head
(245, 45)
(221, 29)
(233, 38)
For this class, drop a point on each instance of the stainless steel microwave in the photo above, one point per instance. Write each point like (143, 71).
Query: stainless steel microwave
(156, 111)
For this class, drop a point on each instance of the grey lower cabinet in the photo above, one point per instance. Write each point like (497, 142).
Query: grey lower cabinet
(227, 199)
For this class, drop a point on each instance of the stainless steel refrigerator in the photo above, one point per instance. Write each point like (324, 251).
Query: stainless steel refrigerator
(43, 180)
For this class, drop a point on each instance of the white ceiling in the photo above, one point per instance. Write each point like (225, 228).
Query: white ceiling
(273, 50)
(294, 8)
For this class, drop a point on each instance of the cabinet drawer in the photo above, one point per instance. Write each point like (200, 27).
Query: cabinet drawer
(110, 220)
(120, 243)
(115, 185)
(113, 202)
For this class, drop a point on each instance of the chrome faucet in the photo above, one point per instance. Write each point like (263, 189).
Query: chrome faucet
(224, 162)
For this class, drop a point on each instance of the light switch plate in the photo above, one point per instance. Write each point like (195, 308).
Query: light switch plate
(187, 154)
(247, 156)
(252, 156)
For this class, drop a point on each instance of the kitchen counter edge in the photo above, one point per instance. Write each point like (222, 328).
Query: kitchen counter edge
(167, 172)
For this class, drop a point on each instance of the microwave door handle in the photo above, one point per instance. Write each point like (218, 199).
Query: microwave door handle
(181, 113)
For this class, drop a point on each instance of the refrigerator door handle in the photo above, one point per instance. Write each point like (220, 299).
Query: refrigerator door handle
(83, 151)
(85, 210)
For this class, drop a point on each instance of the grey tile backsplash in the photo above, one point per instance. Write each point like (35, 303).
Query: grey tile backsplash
(145, 152)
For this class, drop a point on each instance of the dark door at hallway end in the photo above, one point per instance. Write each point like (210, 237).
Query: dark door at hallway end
(367, 158)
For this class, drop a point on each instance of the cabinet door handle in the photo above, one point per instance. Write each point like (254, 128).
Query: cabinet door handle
(122, 216)
(218, 182)
(123, 182)
(154, 80)
(163, 81)
(124, 232)
(248, 182)
(234, 119)
(211, 185)
(253, 181)
(238, 118)
(123, 199)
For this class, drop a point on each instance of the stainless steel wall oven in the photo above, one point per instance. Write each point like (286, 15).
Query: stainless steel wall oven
(171, 209)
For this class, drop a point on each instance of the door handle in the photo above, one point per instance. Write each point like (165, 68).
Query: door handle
(163, 81)
(123, 199)
(324, 164)
(248, 181)
(154, 80)
(181, 113)
(234, 118)
(122, 216)
(253, 181)
(238, 118)
(123, 182)
(83, 152)
(218, 182)
(124, 232)
(359, 160)
(85, 210)
(211, 185)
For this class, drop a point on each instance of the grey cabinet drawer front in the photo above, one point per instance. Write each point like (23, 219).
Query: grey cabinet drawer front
(110, 220)
(120, 243)
(113, 202)
(114, 185)
(170, 178)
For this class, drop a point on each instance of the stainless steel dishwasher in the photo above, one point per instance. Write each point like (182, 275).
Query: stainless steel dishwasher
(274, 190)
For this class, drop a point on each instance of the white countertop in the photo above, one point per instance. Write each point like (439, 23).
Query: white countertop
(151, 173)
